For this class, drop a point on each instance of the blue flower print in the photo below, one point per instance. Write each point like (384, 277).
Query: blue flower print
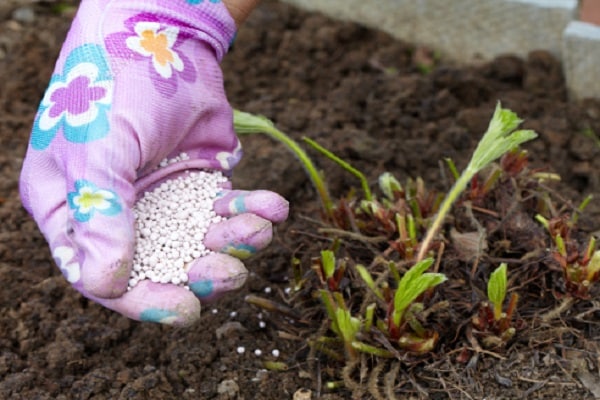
(195, 2)
(76, 101)
(88, 198)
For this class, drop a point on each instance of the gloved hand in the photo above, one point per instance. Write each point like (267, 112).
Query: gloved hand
(136, 82)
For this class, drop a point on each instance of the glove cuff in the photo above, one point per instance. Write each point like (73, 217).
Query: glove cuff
(205, 20)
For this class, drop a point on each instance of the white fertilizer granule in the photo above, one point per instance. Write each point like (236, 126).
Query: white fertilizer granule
(171, 222)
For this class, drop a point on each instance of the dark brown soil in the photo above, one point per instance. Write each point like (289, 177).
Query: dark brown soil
(361, 94)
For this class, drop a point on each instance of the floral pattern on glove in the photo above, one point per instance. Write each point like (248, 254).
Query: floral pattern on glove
(228, 160)
(196, 2)
(148, 40)
(63, 256)
(76, 101)
(88, 198)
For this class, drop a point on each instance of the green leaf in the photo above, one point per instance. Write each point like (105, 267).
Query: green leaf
(499, 138)
(245, 123)
(593, 266)
(369, 316)
(344, 164)
(496, 289)
(389, 185)
(330, 309)
(375, 351)
(366, 276)
(347, 324)
(328, 263)
(414, 283)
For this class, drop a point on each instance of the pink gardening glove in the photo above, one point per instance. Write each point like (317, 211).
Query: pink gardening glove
(139, 81)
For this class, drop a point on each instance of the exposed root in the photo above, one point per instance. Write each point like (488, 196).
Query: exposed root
(389, 381)
(373, 384)
(349, 382)
(566, 303)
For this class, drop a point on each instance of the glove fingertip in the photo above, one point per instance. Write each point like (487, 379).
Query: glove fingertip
(159, 303)
(240, 236)
(216, 274)
(107, 282)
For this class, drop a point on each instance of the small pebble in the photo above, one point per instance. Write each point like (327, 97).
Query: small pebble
(24, 14)
(228, 388)
(302, 394)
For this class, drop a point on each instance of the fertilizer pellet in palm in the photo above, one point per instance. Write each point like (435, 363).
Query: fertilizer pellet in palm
(171, 221)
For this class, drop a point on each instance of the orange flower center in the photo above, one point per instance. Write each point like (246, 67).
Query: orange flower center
(157, 45)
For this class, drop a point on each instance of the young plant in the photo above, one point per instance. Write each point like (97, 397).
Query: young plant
(413, 284)
(346, 326)
(401, 305)
(499, 139)
(329, 273)
(493, 326)
(402, 214)
(343, 324)
(581, 269)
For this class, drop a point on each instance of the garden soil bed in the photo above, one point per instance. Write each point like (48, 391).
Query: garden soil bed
(382, 105)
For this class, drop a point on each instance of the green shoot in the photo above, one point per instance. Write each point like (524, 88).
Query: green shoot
(413, 284)
(545, 223)
(328, 263)
(343, 324)
(276, 366)
(376, 351)
(63, 8)
(369, 316)
(348, 325)
(593, 266)
(499, 138)
(389, 185)
(345, 165)
(452, 168)
(496, 289)
(589, 132)
(495, 327)
(246, 123)
(560, 245)
(580, 208)
(589, 253)
(580, 268)
(366, 276)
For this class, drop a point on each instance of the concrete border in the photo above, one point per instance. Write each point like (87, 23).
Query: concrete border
(472, 30)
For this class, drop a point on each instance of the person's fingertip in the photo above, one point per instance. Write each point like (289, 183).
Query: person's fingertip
(181, 318)
(215, 274)
(264, 203)
(107, 282)
(243, 235)
(239, 250)
(159, 303)
(202, 288)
